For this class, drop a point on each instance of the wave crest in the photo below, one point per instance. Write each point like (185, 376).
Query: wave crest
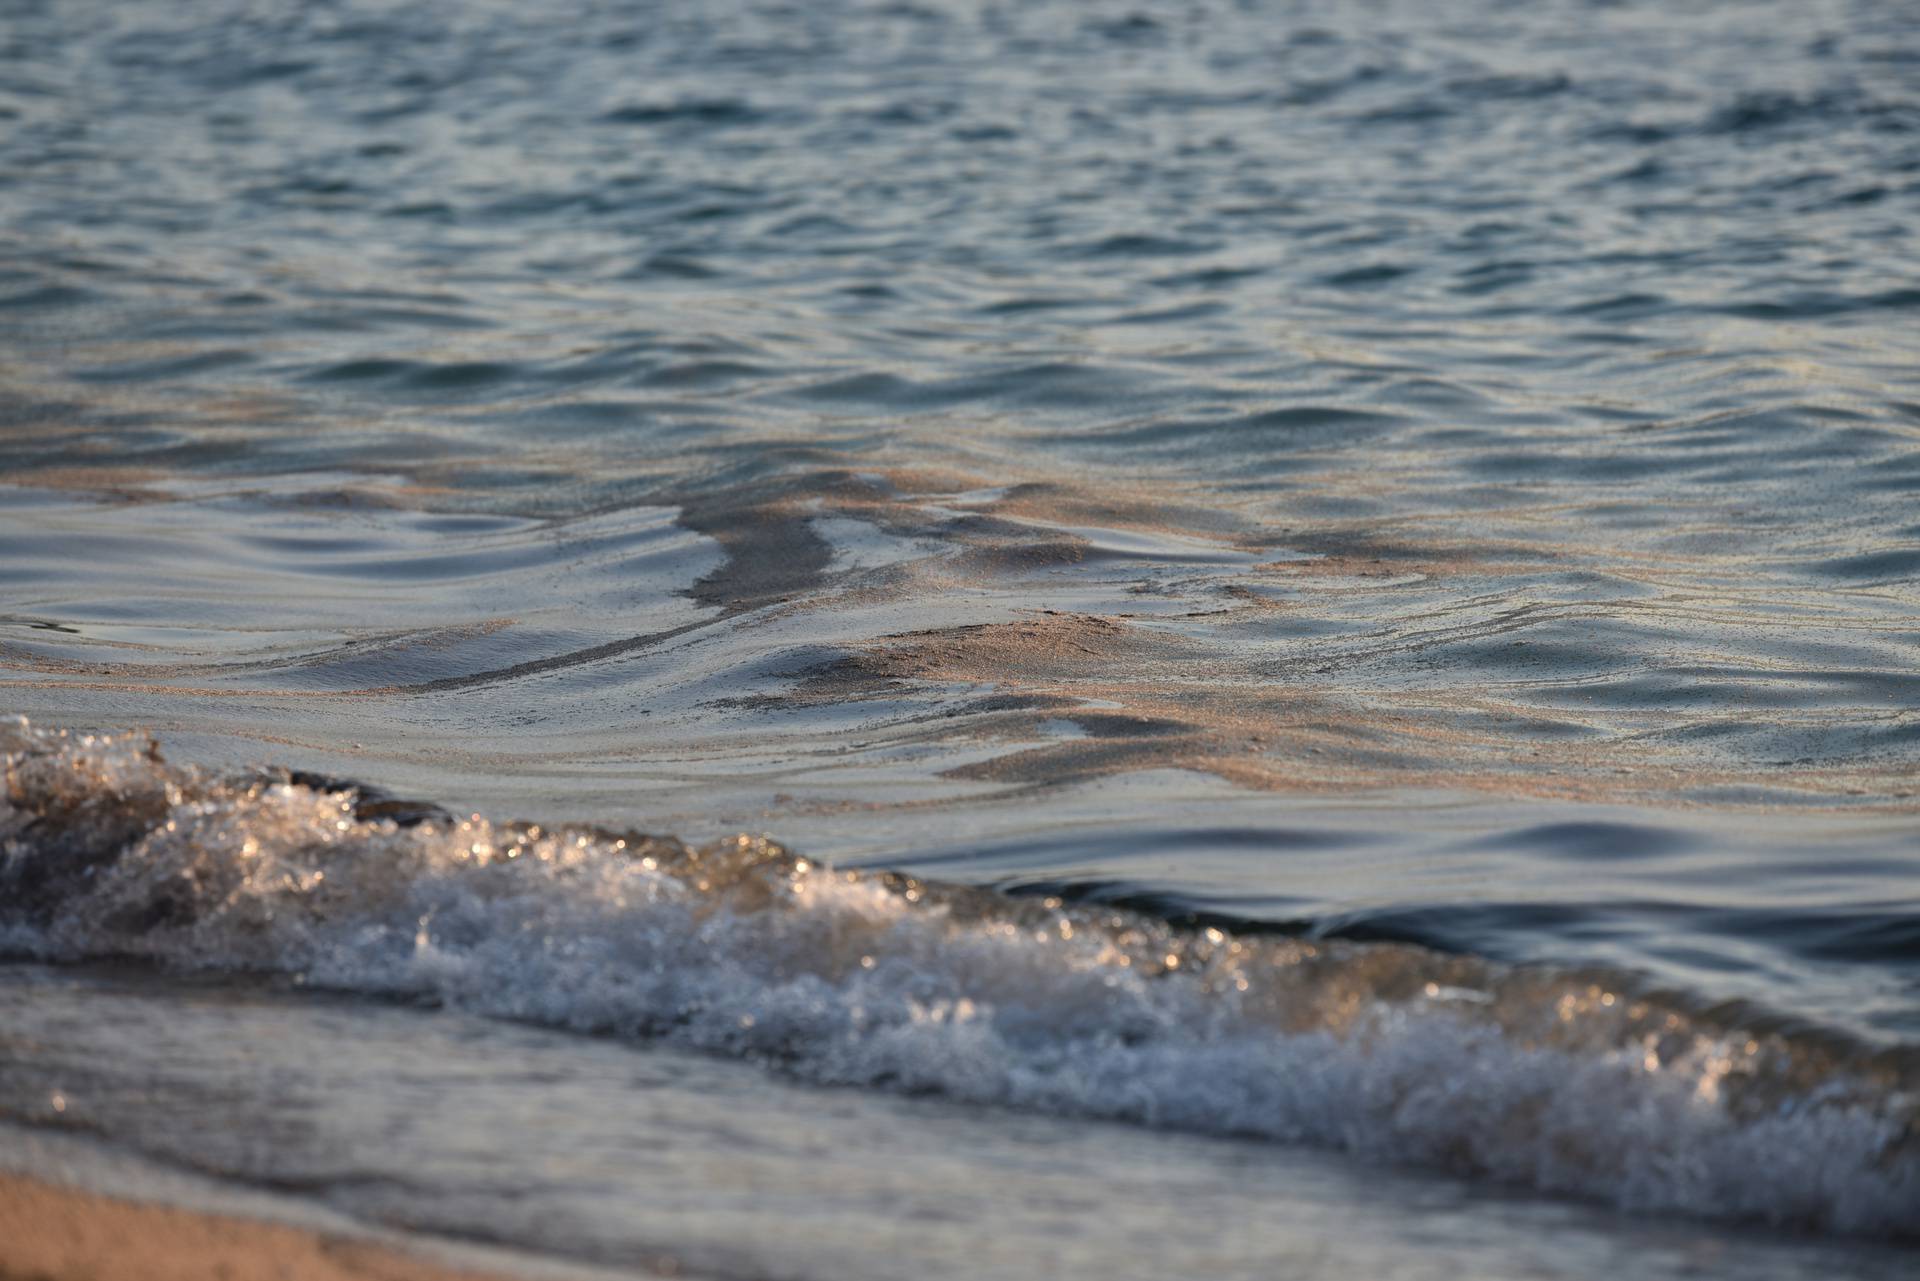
(1575, 1082)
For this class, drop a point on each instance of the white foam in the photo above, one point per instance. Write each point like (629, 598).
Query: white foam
(1534, 1078)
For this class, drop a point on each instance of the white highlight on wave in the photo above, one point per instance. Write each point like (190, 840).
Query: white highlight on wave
(1550, 1080)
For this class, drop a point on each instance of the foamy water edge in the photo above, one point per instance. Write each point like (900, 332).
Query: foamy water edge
(1557, 1081)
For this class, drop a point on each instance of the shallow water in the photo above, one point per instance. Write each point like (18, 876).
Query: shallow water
(1431, 481)
(516, 1135)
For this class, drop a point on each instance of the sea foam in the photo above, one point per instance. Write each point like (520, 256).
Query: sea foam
(1568, 1082)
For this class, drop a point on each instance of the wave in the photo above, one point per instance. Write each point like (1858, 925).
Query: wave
(1570, 1082)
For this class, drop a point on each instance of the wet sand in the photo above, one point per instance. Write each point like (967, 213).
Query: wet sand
(50, 1233)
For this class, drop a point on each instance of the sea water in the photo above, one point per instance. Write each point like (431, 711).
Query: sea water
(1310, 612)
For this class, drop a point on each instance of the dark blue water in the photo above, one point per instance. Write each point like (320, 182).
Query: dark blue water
(1431, 478)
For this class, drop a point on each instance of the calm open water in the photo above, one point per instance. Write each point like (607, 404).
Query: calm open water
(1337, 585)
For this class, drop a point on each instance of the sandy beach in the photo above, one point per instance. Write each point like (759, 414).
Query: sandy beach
(50, 1233)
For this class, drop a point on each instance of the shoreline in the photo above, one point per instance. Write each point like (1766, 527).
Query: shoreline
(55, 1232)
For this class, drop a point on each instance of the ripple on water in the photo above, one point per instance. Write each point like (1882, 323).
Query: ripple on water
(1435, 473)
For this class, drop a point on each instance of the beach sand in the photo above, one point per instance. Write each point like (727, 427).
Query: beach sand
(50, 1233)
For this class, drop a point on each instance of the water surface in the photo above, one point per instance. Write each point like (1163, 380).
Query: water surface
(1433, 482)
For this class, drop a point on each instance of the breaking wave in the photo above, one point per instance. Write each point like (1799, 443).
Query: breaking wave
(1586, 1083)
